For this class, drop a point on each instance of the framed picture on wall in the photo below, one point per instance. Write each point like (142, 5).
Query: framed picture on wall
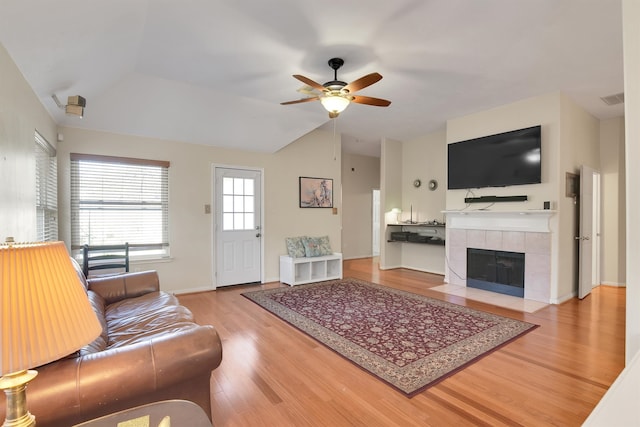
(316, 192)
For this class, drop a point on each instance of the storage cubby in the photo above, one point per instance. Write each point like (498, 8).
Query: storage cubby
(302, 271)
(334, 267)
(297, 271)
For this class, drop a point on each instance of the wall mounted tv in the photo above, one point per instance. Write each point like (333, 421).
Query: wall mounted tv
(509, 158)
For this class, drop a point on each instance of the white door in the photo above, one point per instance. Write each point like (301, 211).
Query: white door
(238, 227)
(588, 271)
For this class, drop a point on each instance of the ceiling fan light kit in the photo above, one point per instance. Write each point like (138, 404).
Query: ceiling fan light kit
(334, 103)
(337, 95)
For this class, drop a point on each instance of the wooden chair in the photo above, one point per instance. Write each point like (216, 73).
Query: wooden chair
(113, 259)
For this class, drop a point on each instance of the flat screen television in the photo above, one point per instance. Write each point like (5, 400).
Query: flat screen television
(509, 158)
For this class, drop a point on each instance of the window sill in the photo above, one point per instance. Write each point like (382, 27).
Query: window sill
(149, 260)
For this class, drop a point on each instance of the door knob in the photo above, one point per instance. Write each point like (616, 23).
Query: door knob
(258, 234)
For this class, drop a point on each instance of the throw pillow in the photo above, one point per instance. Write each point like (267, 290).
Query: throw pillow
(295, 247)
(317, 246)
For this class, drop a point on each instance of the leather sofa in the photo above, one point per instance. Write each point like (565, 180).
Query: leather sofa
(150, 349)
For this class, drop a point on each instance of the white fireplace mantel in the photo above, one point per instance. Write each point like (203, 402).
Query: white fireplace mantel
(529, 221)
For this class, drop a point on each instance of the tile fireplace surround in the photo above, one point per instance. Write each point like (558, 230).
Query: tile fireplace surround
(522, 231)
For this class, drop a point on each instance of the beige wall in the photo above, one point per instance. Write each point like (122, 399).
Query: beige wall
(542, 110)
(613, 230)
(360, 176)
(316, 154)
(190, 188)
(619, 406)
(570, 137)
(390, 197)
(190, 269)
(579, 145)
(20, 115)
(424, 158)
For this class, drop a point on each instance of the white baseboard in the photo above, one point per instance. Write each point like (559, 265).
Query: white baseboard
(616, 284)
(563, 298)
(389, 267)
(190, 290)
(392, 267)
(359, 257)
(441, 273)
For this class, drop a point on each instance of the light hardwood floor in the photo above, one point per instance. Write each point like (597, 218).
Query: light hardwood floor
(274, 375)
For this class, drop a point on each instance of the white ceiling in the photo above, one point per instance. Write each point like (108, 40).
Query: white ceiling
(215, 72)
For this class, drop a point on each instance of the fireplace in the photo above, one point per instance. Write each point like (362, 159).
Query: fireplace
(496, 271)
(526, 232)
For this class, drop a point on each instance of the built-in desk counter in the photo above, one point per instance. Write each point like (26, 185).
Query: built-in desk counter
(426, 233)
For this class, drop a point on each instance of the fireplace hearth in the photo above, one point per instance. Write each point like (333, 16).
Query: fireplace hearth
(496, 271)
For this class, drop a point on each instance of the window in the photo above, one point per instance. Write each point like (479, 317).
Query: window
(118, 200)
(238, 203)
(46, 190)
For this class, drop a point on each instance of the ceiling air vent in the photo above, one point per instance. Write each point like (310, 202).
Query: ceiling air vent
(616, 99)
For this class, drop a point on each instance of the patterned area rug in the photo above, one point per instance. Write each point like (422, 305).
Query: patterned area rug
(408, 340)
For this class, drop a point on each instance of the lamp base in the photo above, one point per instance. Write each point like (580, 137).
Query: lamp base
(15, 387)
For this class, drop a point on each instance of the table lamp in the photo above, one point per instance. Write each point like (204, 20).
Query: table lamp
(396, 211)
(44, 315)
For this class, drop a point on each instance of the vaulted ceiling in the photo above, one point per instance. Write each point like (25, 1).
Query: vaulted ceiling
(215, 72)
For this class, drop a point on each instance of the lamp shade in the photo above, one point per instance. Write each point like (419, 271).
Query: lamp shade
(44, 310)
(334, 103)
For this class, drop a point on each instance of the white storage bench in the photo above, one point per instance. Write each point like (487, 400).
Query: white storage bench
(297, 271)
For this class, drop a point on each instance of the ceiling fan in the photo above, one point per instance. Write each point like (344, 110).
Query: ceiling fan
(336, 95)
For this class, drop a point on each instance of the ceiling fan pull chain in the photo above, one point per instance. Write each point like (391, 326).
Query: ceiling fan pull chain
(334, 138)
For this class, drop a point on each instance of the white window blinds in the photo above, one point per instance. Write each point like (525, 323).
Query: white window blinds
(46, 190)
(117, 200)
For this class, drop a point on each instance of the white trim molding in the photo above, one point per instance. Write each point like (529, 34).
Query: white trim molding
(531, 221)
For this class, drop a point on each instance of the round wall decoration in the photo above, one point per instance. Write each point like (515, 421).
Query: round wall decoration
(433, 184)
(417, 183)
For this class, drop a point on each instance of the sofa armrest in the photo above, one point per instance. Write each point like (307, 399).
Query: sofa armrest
(169, 366)
(128, 285)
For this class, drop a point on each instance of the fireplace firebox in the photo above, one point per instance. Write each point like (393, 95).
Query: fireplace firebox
(496, 271)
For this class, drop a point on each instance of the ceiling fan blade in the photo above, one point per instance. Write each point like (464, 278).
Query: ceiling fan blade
(310, 82)
(378, 102)
(298, 101)
(309, 91)
(363, 82)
